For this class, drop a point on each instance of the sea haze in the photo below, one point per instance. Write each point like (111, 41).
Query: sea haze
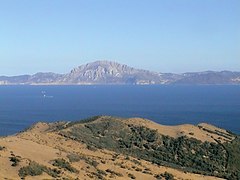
(21, 106)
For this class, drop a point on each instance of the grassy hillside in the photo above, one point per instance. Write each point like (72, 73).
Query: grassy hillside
(188, 154)
(104, 147)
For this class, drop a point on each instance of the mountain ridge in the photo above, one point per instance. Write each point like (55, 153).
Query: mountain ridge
(106, 147)
(109, 72)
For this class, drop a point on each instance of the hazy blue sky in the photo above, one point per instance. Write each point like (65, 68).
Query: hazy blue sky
(159, 35)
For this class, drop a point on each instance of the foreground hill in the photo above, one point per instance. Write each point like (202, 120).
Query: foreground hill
(107, 72)
(106, 147)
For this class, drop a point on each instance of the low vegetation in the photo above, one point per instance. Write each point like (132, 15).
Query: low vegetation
(183, 153)
(233, 165)
(130, 145)
(74, 157)
(219, 133)
(131, 176)
(15, 160)
(2, 148)
(61, 163)
(35, 169)
(114, 173)
(166, 175)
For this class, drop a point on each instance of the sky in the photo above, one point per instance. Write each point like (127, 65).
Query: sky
(159, 35)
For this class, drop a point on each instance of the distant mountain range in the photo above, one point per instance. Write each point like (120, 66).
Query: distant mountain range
(107, 72)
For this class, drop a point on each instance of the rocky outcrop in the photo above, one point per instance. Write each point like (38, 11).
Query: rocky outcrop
(106, 72)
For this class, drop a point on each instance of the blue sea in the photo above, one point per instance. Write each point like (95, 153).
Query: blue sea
(22, 106)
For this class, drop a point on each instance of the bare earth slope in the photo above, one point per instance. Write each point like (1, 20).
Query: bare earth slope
(114, 148)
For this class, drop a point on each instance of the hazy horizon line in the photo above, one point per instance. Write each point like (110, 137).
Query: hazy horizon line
(114, 61)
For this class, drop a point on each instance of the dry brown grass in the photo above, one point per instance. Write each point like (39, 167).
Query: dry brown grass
(42, 146)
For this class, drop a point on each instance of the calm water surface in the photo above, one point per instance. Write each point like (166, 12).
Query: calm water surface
(21, 106)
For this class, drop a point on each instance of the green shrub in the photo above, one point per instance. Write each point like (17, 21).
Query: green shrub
(233, 166)
(168, 176)
(74, 157)
(65, 165)
(33, 169)
(183, 153)
(165, 175)
(101, 172)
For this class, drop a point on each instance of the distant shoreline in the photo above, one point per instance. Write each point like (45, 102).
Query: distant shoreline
(108, 72)
(114, 84)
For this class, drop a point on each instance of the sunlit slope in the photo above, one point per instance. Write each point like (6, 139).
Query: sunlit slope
(106, 147)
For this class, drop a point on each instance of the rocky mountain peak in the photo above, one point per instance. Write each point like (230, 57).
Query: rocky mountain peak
(108, 67)
(103, 71)
(110, 72)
